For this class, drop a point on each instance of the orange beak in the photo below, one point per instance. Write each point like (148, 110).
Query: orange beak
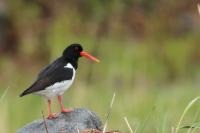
(89, 56)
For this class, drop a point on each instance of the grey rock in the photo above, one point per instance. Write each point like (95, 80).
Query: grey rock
(79, 119)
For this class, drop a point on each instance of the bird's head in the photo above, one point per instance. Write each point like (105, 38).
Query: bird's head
(75, 51)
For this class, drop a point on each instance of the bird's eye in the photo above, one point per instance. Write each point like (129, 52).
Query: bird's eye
(76, 48)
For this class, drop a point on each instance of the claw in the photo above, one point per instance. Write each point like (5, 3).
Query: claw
(63, 110)
(52, 116)
(66, 110)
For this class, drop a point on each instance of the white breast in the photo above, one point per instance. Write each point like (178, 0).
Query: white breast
(58, 88)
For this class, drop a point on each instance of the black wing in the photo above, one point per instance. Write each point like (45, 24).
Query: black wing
(51, 68)
(53, 73)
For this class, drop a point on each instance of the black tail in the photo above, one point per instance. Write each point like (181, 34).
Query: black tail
(24, 93)
(31, 89)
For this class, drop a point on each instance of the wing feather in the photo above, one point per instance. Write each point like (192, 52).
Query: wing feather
(52, 74)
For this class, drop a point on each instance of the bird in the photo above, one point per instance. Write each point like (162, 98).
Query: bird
(58, 76)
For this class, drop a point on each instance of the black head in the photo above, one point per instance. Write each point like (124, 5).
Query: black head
(72, 52)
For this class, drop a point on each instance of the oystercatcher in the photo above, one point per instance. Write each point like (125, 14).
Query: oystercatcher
(58, 76)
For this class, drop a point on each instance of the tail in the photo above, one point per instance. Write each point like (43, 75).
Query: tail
(30, 89)
(26, 92)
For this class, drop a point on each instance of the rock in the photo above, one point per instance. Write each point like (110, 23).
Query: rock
(80, 119)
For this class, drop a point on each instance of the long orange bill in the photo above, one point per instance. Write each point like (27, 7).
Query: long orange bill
(89, 56)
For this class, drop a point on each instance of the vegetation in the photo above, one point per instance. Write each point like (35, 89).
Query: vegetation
(149, 52)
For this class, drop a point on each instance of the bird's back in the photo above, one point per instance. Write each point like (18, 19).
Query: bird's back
(53, 73)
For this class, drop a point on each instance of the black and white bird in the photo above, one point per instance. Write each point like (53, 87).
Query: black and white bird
(58, 76)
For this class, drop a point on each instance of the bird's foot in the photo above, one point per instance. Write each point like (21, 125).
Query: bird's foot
(52, 116)
(66, 110)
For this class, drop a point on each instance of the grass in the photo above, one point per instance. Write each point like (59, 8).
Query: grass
(3, 95)
(150, 101)
(185, 111)
(109, 112)
(127, 123)
(145, 108)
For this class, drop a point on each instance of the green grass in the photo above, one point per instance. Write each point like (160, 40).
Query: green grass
(146, 94)
(151, 110)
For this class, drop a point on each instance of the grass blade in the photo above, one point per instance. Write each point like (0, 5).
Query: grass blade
(109, 111)
(127, 123)
(184, 113)
(194, 119)
(4, 94)
(105, 126)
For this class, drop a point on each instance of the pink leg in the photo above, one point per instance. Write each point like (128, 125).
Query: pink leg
(62, 107)
(50, 114)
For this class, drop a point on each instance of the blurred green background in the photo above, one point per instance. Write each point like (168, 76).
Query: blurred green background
(149, 52)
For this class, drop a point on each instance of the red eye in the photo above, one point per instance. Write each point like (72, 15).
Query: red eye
(76, 48)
